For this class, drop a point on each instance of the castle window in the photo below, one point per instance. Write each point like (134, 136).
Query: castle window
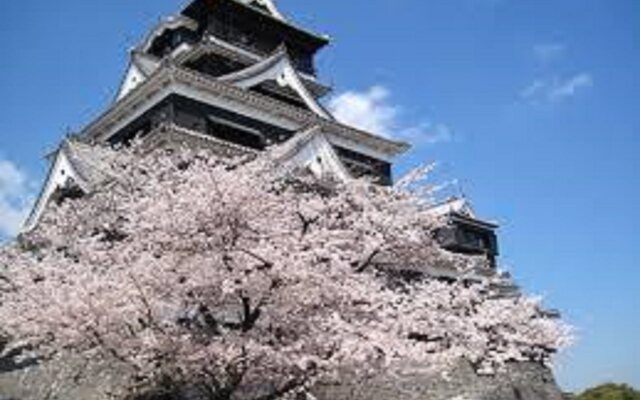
(230, 131)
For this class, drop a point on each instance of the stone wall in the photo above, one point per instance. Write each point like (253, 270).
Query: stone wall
(65, 378)
(68, 379)
(518, 382)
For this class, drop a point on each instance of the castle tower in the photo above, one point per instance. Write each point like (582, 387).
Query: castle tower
(240, 74)
(235, 76)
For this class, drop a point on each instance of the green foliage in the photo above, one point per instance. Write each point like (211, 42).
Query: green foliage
(610, 391)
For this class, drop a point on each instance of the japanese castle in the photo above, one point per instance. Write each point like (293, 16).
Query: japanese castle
(237, 76)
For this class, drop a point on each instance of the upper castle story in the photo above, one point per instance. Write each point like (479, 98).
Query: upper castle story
(254, 27)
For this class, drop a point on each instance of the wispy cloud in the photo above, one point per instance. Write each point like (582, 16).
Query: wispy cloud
(427, 133)
(571, 86)
(556, 89)
(373, 110)
(552, 86)
(16, 195)
(548, 52)
(369, 110)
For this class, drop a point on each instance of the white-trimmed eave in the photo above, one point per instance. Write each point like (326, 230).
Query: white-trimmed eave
(132, 78)
(244, 54)
(278, 68)
(312, 150)
(137, 72)
(170, 79)
(462, 208)
(454, 205)
(60, 172)
(270, 6)
(233, 50)
(225, 49)
(322, 37)
(272, 12)
(173, 22)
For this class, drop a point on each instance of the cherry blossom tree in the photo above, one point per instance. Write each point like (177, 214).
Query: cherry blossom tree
(244, 281)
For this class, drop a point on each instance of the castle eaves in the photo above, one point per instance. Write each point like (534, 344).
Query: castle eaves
(170, 78)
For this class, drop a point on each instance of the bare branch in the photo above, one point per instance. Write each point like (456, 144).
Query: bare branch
(367, 261)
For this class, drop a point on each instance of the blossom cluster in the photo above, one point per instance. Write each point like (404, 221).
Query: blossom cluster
(242, 278)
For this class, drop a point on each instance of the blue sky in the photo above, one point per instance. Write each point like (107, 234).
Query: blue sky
(533, 106)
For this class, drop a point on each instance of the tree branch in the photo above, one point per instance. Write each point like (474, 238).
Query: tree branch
(266, 264)
(250, 317)
(146, 305)
(366, 262)
(287, 387)
(306, 222)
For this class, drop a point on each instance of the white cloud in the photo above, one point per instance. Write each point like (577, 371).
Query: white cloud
(557, 89)
(548, 52)
(538, 87)
(571, 86)
(427, 133)
(372, 110)
(369, 110)
(15, 198)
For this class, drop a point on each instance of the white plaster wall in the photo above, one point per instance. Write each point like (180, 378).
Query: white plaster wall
(319, 157)
(61, 172)
(133, 78)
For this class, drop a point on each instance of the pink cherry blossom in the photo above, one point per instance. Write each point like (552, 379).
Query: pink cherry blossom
(236, 274)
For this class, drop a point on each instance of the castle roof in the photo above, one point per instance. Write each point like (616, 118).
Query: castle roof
(213, 45)
(460, 209)
(279, 68)
(74, 164)
(170, 78)
(172, 22)
(266, 10)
